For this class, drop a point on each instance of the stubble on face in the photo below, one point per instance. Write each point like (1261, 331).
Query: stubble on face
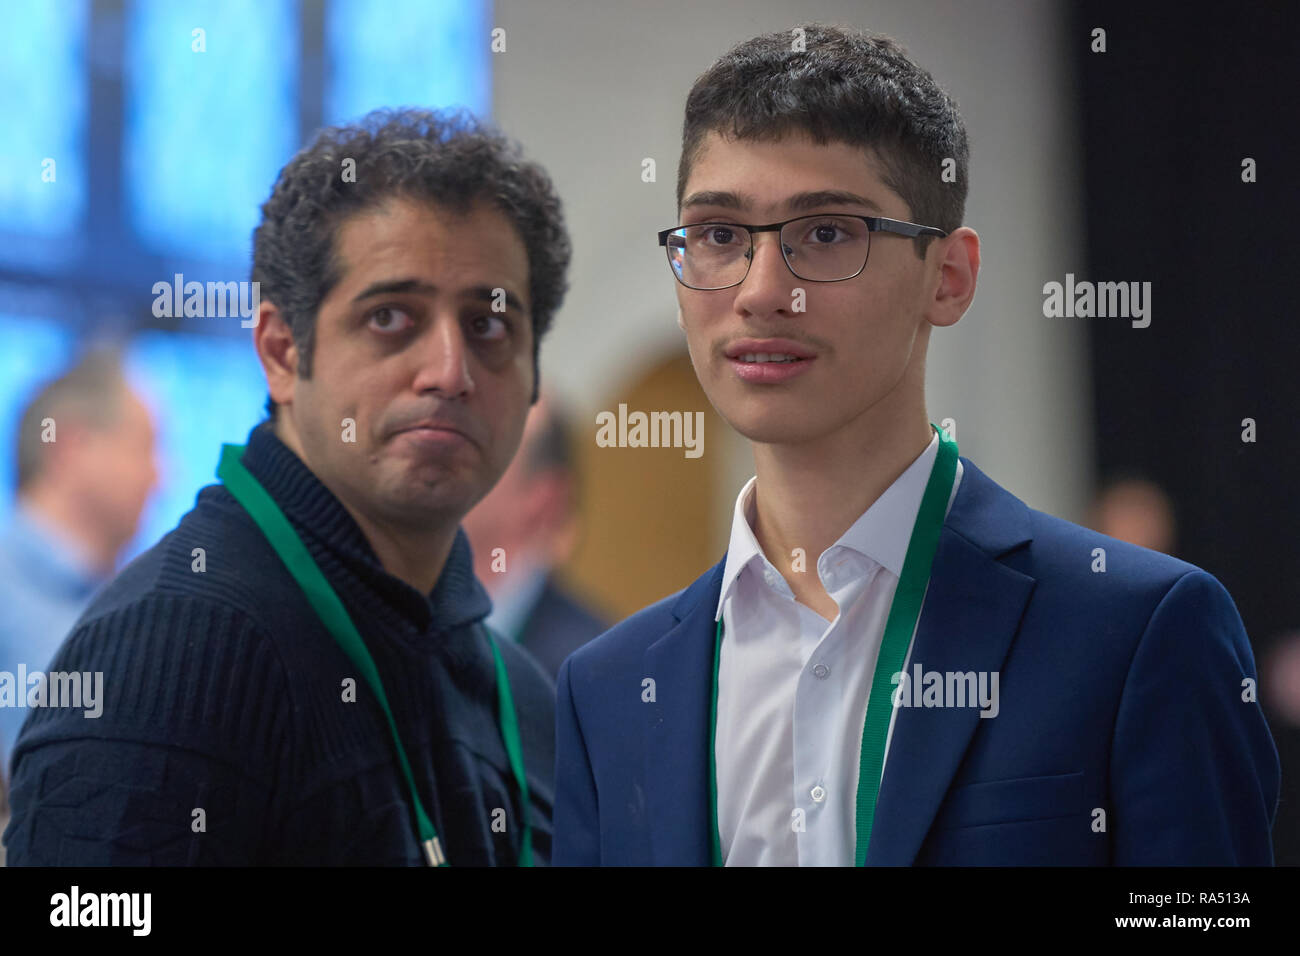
(408, 337)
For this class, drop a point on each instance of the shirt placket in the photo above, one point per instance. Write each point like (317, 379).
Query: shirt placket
(818, 718)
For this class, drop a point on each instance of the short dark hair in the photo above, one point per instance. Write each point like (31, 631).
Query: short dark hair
(447, 158)
(845, 86)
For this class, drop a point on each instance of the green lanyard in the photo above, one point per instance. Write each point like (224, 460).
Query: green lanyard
(329, 608)
(899, 626)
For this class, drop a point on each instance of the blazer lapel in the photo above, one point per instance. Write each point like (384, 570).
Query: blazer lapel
(677, 728)
(972, 609)
(971, 613)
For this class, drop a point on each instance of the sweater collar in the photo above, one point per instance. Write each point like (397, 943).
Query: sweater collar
(333, 537)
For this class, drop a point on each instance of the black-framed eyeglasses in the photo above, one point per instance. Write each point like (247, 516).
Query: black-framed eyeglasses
(708, 256)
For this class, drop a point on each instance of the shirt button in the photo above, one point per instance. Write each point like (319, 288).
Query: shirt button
(821, 671)
(818, 794)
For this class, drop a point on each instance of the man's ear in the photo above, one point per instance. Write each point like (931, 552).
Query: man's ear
(277, 352)
(959, 268)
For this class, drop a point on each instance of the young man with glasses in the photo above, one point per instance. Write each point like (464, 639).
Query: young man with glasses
(897, 661)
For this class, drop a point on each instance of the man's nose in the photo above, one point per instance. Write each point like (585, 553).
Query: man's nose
(444, 359)
(769, 284)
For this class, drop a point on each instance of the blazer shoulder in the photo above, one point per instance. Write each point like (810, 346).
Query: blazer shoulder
(1052, 549)
(629, 639)
(1061, 547)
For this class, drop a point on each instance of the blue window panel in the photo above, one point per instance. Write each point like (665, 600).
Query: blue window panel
(206, 132)
(203, 391)
(43, 110)
(34, 352)
(430, 53)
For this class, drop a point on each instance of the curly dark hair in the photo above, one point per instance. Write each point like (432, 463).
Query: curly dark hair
(845, 86)
(449, 158)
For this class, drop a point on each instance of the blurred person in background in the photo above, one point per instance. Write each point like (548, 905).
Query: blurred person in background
(1279, 674)
(1137, 511)
(531, 516)
(85, 454)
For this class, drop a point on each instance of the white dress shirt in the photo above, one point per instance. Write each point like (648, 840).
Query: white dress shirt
(793, 689)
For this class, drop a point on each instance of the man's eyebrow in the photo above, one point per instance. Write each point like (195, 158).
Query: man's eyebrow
(799, 202)
(802, 202)
(716, 197)
(395, 287)
(480, 293)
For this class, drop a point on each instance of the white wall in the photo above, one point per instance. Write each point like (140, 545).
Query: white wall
(590, 89)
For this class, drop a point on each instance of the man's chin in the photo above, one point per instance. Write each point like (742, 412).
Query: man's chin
(427, 492)
(772, 425)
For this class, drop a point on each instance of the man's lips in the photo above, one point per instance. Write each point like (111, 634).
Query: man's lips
(742, 347)
(768, 361)
(434, 428)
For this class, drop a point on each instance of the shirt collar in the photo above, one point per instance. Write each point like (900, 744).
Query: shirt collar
(882, 533)
(330, 532)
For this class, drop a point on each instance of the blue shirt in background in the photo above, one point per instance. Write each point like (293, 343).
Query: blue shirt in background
(46, 581)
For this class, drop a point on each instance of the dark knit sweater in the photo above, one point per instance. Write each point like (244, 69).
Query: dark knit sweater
(224, 693)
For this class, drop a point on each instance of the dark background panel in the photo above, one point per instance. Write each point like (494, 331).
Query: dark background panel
(1181, 96)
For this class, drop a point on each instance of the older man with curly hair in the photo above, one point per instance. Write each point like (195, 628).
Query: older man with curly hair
(298, 672)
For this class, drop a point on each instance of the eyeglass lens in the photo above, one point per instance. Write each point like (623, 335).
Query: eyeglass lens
(817, 248)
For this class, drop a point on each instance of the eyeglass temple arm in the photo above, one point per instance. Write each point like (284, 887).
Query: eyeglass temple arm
(910, 229)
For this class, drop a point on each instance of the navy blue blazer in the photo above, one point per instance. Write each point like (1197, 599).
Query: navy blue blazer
(1128, 732)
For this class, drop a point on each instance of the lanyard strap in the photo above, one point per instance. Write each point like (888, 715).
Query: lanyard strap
(899, 627)
(325, 601)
